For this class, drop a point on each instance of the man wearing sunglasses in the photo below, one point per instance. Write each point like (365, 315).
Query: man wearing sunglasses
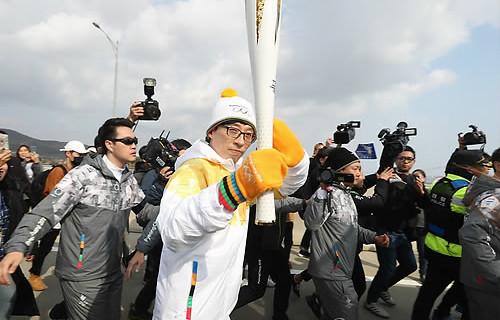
(92, 203)
(203, 217)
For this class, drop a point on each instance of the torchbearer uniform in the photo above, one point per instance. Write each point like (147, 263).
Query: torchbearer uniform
(204, 243)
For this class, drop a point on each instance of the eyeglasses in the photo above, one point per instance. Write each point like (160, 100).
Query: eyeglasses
(405, 159)
(126, 141)
(235, 133)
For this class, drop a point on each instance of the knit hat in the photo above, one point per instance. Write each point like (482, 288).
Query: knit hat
(231, 107)
(339, 158)
(74, 145)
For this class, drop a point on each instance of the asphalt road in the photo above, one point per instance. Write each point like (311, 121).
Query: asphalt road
(404, 293)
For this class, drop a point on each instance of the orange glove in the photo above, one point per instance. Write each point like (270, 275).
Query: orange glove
(263, 170)
(286, 142)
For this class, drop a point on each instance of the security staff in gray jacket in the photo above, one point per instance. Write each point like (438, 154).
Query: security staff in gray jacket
(92, 203)
(333, 220)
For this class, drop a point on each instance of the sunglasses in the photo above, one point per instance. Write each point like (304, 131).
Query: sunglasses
(126, 141)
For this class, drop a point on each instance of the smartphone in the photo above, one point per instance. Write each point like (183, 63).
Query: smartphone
(4, 141)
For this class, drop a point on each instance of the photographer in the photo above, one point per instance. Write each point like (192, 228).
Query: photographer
(153, 184)
(404, 191)
(365, 206)
(332, 218)
(154, 181)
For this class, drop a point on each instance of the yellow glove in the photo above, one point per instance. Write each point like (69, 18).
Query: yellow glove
(261, 171)
(286, 142)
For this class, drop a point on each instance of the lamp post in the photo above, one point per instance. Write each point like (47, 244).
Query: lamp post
(114, 46)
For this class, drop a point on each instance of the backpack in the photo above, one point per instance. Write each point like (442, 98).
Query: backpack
(38, 185)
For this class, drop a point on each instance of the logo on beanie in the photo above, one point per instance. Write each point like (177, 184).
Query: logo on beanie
(239, 109)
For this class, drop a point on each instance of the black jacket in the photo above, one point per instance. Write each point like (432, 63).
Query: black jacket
(400, 207)
(12, 188)
(271, 237)
(366, 205)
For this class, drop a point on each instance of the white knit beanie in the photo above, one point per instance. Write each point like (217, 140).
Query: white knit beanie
(231, 107)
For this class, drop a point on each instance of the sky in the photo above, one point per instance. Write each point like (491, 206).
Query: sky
(434, 64)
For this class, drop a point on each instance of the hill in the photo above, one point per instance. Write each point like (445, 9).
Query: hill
(47, 149)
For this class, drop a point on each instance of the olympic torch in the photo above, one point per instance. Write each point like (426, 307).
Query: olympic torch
(263, 29)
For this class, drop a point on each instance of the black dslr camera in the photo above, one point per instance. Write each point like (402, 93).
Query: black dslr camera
(330, 177)
(151, 107)
(394, 143)
(345, 132)
(473, 137)
(159, 152)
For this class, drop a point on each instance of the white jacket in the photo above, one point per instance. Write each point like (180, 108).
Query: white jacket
(204, 244)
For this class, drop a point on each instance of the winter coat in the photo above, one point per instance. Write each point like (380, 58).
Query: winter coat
(92, 207)
(204, 244)
(480, 236)
(12, 188)
(333, 220)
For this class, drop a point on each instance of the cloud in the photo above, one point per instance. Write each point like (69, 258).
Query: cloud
(344, 58)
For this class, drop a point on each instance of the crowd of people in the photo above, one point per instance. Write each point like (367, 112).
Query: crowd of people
(199, 234)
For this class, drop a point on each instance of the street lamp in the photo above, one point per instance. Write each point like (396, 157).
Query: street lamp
(114, 46)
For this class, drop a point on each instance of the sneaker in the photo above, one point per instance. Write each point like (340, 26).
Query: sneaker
(315, 305)
(270, 283)
(58, 312)
(134, 314)
(387, 298)
(377, 310)
(304, 253)
(36, 282)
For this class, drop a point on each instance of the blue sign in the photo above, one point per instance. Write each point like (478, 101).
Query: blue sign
(366, 151)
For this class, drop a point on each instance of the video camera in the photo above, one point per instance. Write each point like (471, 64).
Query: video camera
(151, 107)
(345, 132)
(473, 137)
(394, 143)
(330, 177)
(159, 152)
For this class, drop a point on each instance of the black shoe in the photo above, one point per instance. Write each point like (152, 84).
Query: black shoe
(295, 286)
(58, 312)
(134, 314)
(304, 253)
(437, 316)
(314, 304)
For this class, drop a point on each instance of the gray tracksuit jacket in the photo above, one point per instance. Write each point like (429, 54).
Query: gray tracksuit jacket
(335, 234)
(480, 236)
(93, 207)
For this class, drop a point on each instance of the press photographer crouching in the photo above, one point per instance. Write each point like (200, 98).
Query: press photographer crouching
(333, 219)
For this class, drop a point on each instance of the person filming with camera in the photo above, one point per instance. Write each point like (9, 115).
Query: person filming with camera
(398, 260)
(333, 220)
